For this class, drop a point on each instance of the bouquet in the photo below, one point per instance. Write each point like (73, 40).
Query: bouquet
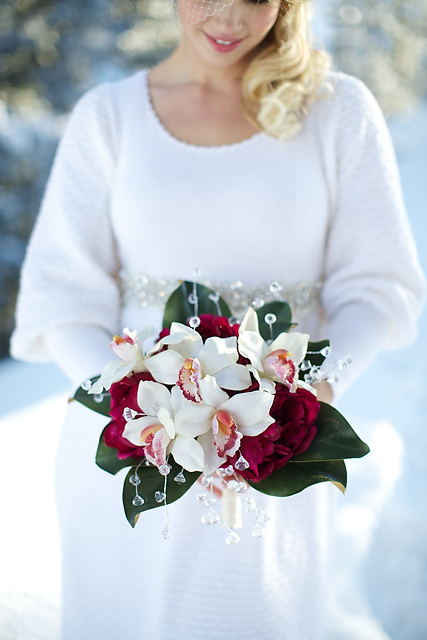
(231, 401)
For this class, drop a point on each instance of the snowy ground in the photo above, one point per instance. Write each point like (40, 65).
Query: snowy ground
(381, 555)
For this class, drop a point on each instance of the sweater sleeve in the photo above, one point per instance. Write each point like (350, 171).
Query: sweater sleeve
(373, 284)
(68, 276)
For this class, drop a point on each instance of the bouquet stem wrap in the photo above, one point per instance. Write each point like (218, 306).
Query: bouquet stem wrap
(231, 509)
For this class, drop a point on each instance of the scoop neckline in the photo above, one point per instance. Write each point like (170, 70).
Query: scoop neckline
(187, 145)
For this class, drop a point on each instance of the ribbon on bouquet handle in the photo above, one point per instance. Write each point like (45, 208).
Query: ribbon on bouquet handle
(231, 509)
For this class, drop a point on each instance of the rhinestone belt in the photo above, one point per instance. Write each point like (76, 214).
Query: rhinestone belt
(144, 291)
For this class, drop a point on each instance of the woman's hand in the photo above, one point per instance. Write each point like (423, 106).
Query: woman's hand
(324, 392)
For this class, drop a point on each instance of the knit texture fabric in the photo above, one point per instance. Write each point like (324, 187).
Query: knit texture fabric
(123, 193)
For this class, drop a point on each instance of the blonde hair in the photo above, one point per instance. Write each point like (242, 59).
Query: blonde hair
(285, 75)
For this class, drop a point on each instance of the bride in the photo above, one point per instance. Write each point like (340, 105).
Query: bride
(244, 157)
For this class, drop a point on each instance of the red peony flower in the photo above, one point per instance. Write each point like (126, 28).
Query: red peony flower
(124, 394)
(291, 434)
(216, 326)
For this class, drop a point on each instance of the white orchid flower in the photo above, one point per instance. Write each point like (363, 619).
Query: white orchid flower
(227, 420)
(130, 350)
(169, 425)
(187, 360)
(275, 362)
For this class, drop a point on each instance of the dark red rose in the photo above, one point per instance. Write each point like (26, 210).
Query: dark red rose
(216, 326)
(123, 394)
(291, 434)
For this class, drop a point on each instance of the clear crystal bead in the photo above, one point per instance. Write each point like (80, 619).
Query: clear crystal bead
(207, 518)
(305, 365)
(258, 303)
(250, 505)
(232, 538)
(342, 364)
(233, 485)
(258, 531)
(99, 397)
(214, 297)
(201, 496)
(326, 351)
(180, 478)
(333, 379)
(138, 501)
(309, 378)
(166, 533)
(275, 287)
(193, 299)
(241, 464)
(264, 516)
(159, 496)
(129, 414)
(194, 322)
(207, 481)
(209, 502)
(215, 518)
(221, 472)
(164, 469)
(229, 471)
(242, 487)
(86, 385)
(135, 480)
(349, 359)
(270, 318)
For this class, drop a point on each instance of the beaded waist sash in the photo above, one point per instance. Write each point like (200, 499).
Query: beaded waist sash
(144, 291)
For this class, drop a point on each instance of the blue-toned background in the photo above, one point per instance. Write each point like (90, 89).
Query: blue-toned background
(50, 53)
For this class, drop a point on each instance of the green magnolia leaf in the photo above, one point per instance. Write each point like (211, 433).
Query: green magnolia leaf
(152, 481)
(283, 323)
(179, 308)
(334, 440)
(106, 458)
(293, 478)
(88, 400)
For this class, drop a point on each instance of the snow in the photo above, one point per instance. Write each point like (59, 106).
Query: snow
(380, 567)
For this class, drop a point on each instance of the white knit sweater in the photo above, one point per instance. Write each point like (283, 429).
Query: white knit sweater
(123, 193)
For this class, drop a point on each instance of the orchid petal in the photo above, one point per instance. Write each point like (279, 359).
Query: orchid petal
(252, 346)
(218, 353)
(256, 429)
(113, 371)
(249, 408)
(165, 366)
(189, 343)
(188, 453)
(212, 459)
(235, 377)
(147, 332)
(295, 343)
(211, 393)
(177, 400)
(151, 396)
(194, 419)
(156, 447)
(267, 385)
(134, 428)
(165, 418)
(249, 322)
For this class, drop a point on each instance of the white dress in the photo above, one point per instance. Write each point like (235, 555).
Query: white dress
(322, 214)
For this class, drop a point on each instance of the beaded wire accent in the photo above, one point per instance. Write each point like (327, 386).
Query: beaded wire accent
(144, 291)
